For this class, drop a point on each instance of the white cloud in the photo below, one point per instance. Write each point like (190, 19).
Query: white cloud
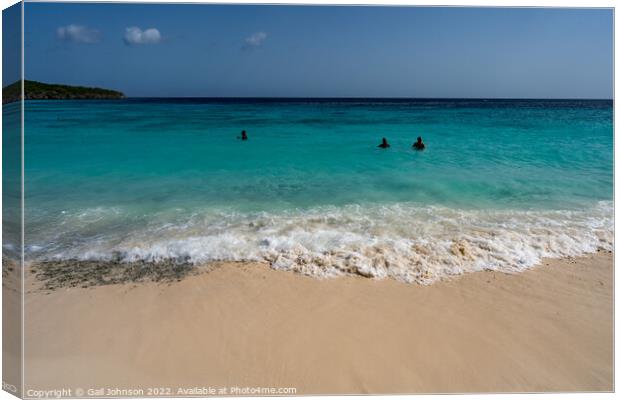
(78, 34)
(135, 35)
(255, 39)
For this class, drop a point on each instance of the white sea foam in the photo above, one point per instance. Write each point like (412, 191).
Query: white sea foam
(405, 242)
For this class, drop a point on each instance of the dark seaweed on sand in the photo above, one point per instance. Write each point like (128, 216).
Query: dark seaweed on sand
(76, 273)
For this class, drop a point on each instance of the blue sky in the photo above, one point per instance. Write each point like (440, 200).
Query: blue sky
(11, 44)
(322, 51)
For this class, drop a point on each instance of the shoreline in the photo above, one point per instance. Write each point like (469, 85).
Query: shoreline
(53, 275)
(549, 328)
(402, 241)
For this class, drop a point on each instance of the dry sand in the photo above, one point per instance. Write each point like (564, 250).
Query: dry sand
(547, 329)
(11, 326)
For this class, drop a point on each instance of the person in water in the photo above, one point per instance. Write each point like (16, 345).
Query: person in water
(244, 136)
(384, 144)
(419, 145)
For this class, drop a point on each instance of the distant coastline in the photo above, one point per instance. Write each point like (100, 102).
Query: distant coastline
(34, 90)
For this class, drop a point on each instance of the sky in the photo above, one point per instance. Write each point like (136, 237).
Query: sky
(200, 50)
(11, 44)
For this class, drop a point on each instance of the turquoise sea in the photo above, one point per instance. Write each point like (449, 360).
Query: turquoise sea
(500, 185)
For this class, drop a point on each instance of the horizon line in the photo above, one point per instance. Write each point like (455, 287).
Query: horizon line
(367, 98)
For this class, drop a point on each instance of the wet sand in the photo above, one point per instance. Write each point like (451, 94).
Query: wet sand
(243, 324)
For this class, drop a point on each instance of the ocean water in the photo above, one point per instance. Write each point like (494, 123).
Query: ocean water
(501, 183)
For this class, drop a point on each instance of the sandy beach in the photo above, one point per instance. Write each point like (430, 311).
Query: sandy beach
(245, 325)
(11, 328)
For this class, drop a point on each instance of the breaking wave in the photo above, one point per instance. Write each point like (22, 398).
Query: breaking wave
(401, 241)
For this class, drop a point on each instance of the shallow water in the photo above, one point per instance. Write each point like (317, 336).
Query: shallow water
(501, 184)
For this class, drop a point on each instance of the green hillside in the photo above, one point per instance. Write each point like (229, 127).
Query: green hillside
(43, 91)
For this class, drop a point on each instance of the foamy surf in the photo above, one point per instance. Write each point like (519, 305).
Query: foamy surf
(405, 242)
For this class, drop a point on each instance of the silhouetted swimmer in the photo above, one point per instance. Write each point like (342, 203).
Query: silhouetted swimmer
(384, 144)
(244, 136)
(419, 145)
